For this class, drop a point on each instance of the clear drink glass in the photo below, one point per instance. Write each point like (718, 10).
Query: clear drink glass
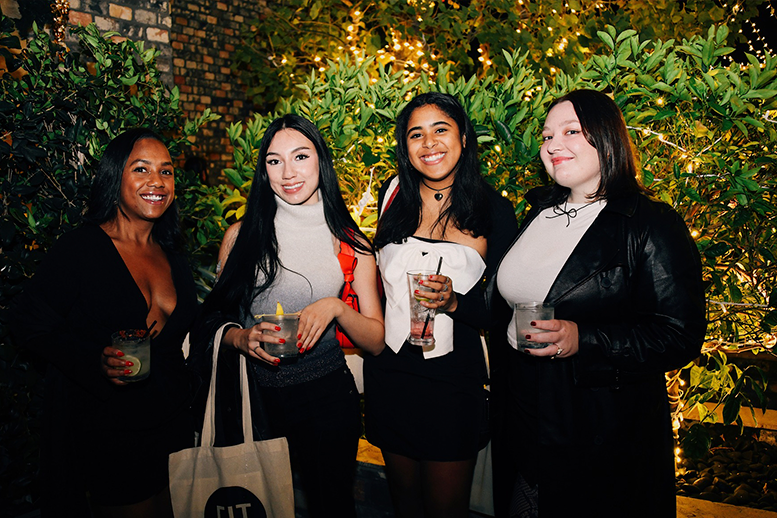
(136, 346)
(289, 324)
(421, 318)
(524, 314)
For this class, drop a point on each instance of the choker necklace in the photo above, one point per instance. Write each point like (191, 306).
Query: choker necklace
(569, 213)
(437, 192)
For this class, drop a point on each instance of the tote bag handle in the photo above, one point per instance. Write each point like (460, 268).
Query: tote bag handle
(209, 421)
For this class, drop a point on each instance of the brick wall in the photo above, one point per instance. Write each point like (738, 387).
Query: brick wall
(204, 35)
(196, 39)
(138, 20)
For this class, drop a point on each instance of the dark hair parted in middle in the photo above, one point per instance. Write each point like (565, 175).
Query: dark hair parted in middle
(105, 192)
(605, 129)
(468, 198)
(254, 261)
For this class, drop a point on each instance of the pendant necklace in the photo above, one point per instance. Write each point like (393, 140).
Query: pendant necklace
(437, 192)
(569, 213)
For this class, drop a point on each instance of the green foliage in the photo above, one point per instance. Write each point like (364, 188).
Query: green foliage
(294, 37)
(704, 132)
(727, 386)
(59, 110)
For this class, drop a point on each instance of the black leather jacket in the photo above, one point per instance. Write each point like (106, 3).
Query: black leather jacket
(633, 286)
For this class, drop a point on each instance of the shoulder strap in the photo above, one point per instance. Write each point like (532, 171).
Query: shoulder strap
(348, 261)
(394, 189)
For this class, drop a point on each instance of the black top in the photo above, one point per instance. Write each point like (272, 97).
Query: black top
(81, 294)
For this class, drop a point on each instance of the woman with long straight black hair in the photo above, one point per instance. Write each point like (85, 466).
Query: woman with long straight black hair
(426, 407)
(285, 250)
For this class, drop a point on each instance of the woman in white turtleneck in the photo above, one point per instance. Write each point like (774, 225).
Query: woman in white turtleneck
(285, 249)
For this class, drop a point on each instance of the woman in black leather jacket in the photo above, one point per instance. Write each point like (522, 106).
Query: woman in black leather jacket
(582, 425)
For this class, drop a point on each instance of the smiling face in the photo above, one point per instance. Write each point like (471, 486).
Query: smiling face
(568, 156)
(292, 167)
(147, 181)
(434, 145)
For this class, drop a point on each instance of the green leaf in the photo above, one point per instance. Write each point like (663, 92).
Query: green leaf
(504, 131)
(732, 406)
(696, 442)
(607, 39)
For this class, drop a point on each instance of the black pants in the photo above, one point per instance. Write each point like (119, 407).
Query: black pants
(321, 420)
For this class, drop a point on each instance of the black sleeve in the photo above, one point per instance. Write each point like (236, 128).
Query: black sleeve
(666, 323)
(41, 317)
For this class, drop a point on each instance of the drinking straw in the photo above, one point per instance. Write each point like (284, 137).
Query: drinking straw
(148, 331)
(428, 315)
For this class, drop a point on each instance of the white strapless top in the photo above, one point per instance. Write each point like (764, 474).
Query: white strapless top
(459, 262)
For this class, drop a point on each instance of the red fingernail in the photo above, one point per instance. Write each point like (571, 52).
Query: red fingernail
(283, 340)
(119, 354)
(299, 336)
(533, 323)
(127, 371)
(277, 328)
(416, 292)
(421, 282)
(128, 364)
(528, 337)
(277, 361)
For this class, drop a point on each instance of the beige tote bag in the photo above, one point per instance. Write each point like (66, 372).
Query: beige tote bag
(248, 480)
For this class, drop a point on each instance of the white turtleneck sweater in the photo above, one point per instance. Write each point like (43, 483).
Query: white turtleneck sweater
(310, 271)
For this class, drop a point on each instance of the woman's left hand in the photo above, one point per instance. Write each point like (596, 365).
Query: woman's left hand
(314, 319)
(562, 336)
(443, 298)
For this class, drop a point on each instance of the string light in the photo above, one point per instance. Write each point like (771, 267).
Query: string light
(61, 11)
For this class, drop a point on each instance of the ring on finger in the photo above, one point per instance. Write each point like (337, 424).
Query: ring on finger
(442, 297)
(559, 350)
(445, 287)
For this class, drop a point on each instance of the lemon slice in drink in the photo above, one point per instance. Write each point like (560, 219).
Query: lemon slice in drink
(135, 368)
(278, 309)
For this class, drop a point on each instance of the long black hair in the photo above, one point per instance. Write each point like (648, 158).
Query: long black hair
(105, 191)
(605, 129)
(468, 207)
(254, 261)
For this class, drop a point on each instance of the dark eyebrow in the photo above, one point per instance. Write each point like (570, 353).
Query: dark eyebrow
(564, 123)
(144, 161)
(301, 148)
(438, 123)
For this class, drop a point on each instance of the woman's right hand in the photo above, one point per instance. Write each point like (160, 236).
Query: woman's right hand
(113, 365)
(249, 341)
